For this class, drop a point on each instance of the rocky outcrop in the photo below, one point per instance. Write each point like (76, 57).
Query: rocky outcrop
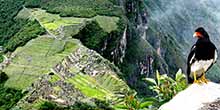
(196, 97)
(211, 106)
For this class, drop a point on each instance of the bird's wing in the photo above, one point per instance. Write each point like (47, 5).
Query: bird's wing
(191, 57)
(215, 57)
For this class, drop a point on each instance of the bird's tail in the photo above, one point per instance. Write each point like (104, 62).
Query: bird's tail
(189, 79)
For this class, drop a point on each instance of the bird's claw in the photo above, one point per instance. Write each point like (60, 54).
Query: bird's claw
(203, 79)
(197, 81)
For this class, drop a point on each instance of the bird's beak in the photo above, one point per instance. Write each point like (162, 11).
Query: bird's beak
(194, 35)
(197, 35)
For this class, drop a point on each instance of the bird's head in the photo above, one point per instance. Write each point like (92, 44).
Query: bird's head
(200, 33)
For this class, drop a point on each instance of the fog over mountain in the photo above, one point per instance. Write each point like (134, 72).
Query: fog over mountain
(178, 19)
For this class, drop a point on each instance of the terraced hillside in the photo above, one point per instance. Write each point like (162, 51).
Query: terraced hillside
(54, 67)
(68, 54)
(37, 57)
(81, 76)
(105, 38)
(56, 24)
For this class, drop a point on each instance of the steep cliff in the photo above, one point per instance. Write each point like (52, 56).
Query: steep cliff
(160, 36)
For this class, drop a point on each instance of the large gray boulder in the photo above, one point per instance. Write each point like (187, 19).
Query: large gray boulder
(196, 97)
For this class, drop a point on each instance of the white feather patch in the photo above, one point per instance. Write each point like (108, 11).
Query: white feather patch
(216, 56)
(201, 65)
(192, 58)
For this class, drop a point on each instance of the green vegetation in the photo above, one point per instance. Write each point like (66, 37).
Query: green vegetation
(103, 87)
(24, 14)
(54, 78)
(113, 40)
(8, 96)
(172, 55)
(165, 87)
(132, 103)
(93, 32)
(97, 105)
(42, 104)
(46, 105)
(92, 36)
(16, 31)
(108, 24)
(141, 50)
(31, 30)
(3, 77)
(99, 24)
(77, 8)
(37, 57)
(1, 58)
(95, 36)
(53, 22)
(89, 87)
(8, 25)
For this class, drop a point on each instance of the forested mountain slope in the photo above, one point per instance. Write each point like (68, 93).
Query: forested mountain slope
(44, 63)
(91, 52)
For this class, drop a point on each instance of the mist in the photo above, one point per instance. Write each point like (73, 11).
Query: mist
(181, 17)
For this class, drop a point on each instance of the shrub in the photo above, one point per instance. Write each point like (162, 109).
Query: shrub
(165, 87)
(133, 103)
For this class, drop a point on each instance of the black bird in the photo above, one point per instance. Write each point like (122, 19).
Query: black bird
(202, 56)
